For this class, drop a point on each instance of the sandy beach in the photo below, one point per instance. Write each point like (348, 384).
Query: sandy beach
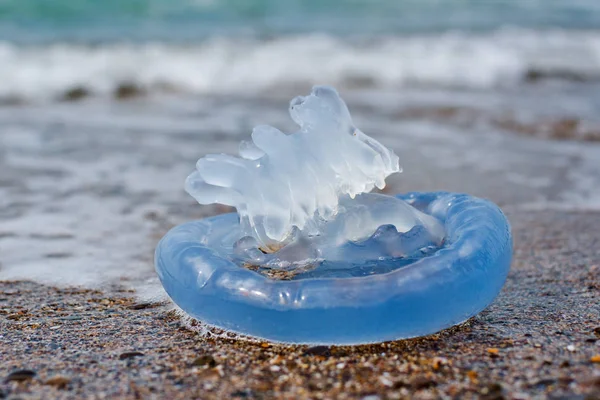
(90, 187)
(539, 339)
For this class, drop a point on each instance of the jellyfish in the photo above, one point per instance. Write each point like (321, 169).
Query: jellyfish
(313, 256)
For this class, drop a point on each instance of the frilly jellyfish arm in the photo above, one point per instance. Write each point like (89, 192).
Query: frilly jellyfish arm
(284, 181)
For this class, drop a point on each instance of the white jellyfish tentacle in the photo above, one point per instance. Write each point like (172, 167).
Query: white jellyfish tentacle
(282, 181)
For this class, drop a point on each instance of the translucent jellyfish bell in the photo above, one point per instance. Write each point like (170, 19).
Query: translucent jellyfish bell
(310, 251)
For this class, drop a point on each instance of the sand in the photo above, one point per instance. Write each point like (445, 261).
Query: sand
(539, 339)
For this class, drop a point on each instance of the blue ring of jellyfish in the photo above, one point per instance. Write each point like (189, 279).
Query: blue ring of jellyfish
(436, 292)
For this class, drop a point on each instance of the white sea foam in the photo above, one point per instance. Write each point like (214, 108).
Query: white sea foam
(221, 65)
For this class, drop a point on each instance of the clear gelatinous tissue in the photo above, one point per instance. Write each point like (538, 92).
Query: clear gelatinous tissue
(307, 190)
(312, 257)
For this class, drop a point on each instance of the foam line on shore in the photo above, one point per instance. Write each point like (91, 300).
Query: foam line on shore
(502, 58)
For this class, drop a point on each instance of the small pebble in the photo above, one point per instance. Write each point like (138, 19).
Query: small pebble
(130, 354)
(423, 383)
(544, 382)
(143, 306)
(318, 351)
(385, 381)
(493, 390)
(438, 362)
(58, 381)
(472, 375)
(20, 375)
(243, 393)
(493, 352)
(205, 359)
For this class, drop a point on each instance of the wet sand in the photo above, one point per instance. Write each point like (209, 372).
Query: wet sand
(539, 339)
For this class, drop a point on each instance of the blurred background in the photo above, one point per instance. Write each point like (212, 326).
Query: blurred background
(70, 49)
(106, 105)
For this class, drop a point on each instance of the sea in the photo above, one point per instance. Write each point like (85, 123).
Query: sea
(106, 105)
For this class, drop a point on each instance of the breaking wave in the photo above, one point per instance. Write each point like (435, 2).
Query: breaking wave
(232, 66)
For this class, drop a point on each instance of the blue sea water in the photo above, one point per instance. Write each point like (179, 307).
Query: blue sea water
(92, 20)
(51, 47)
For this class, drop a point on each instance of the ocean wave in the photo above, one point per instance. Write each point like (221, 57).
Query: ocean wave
(234, 66)
(43, 21)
